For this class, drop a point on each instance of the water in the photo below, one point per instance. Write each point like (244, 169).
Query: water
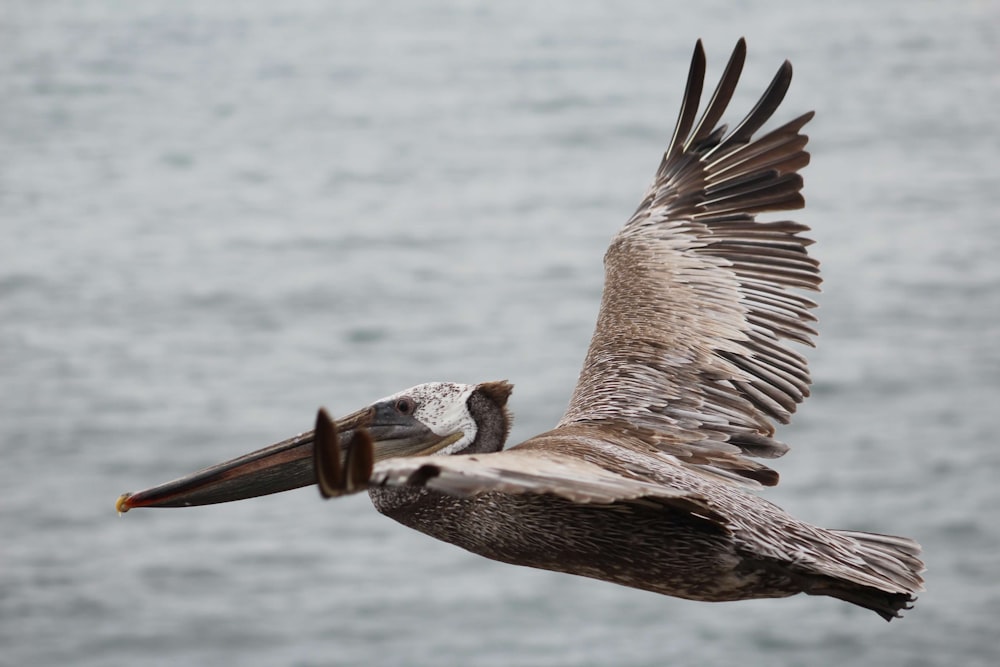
(217, 217)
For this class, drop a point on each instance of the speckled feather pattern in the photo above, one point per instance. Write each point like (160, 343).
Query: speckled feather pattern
(570, 490)
(697, 306)
(643, 481)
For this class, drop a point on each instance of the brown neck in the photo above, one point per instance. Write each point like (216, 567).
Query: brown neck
(492, 423)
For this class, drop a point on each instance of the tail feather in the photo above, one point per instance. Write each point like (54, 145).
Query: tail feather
(895, 558)
(889, 576)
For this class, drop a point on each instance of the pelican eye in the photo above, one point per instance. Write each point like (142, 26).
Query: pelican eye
(405, 406)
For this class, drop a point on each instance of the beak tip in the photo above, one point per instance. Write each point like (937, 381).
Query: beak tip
(123, 505)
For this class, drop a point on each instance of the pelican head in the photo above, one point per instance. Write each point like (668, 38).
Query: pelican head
(441, 418)
(430, 418)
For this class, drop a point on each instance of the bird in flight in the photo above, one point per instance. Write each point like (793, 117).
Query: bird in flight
(650, 478)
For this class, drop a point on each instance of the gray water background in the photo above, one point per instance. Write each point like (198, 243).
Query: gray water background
(218, 216)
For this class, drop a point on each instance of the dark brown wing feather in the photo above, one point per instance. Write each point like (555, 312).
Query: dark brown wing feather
(690, 349)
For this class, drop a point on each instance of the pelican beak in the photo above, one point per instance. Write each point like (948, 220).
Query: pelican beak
(289, 464)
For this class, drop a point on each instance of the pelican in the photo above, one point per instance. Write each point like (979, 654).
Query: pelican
(650, 478)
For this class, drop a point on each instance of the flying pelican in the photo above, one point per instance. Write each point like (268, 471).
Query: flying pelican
(648, 479)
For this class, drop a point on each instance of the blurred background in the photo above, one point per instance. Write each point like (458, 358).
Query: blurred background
(218, 216)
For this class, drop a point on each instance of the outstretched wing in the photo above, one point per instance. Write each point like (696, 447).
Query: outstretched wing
(538, 473)
(690, 350)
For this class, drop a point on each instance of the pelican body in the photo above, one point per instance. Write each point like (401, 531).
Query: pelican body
(650, 478)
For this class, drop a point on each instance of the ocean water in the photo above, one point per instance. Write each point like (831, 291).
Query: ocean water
(218, 216)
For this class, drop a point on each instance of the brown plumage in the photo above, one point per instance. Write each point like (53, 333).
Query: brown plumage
(642, 481)
(647, 479)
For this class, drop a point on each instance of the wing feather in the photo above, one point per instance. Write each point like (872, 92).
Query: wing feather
(691, 349)
(722, 95)
(533, 472)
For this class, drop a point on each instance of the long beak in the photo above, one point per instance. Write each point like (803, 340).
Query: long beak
(289, 464)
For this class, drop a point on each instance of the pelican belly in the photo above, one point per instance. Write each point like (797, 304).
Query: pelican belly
(646, 547)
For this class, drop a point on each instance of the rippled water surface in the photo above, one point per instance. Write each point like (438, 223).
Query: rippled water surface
(217, 216)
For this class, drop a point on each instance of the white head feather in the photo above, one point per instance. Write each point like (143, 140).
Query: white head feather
(443, 408)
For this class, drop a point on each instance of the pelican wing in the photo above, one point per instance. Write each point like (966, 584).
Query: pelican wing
(533, 472)
(691, 345)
